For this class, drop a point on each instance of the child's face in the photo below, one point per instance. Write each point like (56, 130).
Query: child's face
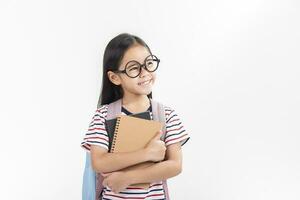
(135, 85)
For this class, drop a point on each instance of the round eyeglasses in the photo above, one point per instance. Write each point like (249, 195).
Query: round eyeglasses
(133, 68)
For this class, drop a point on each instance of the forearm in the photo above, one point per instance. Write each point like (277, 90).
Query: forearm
(110, 162)
(154, 173)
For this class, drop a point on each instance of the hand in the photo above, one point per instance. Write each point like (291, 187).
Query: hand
(116, 181)
(156, 148)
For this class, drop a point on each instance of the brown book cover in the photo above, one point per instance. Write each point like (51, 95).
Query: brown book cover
(111, 123)
(132, 134)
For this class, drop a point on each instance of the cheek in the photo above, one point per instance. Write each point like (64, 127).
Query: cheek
(153, 77)
(130, 83)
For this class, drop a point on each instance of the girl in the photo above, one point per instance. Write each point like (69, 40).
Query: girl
(128, 74)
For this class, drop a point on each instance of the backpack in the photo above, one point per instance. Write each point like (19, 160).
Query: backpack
(92, 182)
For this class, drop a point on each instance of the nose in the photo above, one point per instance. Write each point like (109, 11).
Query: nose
(143, 71)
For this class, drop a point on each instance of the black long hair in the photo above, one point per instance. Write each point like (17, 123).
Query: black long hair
(113, 55)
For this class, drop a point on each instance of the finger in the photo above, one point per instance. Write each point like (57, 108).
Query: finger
(104, 183)
(106, 174)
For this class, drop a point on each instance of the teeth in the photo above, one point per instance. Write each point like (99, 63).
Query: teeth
(146, 82)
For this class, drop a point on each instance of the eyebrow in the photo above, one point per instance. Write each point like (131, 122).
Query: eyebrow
(130, 65)
(138, 61)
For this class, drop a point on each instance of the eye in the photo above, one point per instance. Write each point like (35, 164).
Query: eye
(133, 68)
(149, 62)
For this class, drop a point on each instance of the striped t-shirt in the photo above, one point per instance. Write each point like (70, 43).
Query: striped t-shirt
(97, 135)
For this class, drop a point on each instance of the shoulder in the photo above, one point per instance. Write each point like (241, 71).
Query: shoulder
(102, 108)
(101, 112)
(166, 107)
(175, 129)
(170, 114)
(169, 110)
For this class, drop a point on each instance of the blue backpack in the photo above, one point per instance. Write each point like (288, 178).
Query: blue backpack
(92, 182)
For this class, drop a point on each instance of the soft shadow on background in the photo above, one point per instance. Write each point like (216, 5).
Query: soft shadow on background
(229, 68)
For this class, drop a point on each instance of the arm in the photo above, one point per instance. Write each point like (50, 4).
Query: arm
(104, 162)
(119, 180)
(171, 167)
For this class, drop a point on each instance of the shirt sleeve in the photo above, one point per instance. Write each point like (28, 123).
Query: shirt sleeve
(175, 130)
(96, 133)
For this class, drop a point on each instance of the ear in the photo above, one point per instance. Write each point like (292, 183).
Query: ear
(114, 78)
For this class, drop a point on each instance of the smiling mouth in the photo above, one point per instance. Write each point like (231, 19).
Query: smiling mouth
(145, 82)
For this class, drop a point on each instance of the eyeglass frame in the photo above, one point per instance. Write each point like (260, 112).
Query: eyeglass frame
(141, 65)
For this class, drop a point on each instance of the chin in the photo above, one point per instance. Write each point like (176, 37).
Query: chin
(149, 92)
(144, 92)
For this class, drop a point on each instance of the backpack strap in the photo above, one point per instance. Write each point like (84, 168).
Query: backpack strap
(158, 111)
(113, 110)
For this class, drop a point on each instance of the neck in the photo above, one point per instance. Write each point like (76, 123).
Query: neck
(135, 103)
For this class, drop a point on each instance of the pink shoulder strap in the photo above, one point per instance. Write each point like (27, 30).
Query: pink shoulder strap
(113, 110)
(158, 112)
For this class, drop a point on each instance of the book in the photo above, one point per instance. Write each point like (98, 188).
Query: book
(131, 134)
(111, 123)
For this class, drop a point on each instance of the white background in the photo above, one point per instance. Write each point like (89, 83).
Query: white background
(229, 68)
